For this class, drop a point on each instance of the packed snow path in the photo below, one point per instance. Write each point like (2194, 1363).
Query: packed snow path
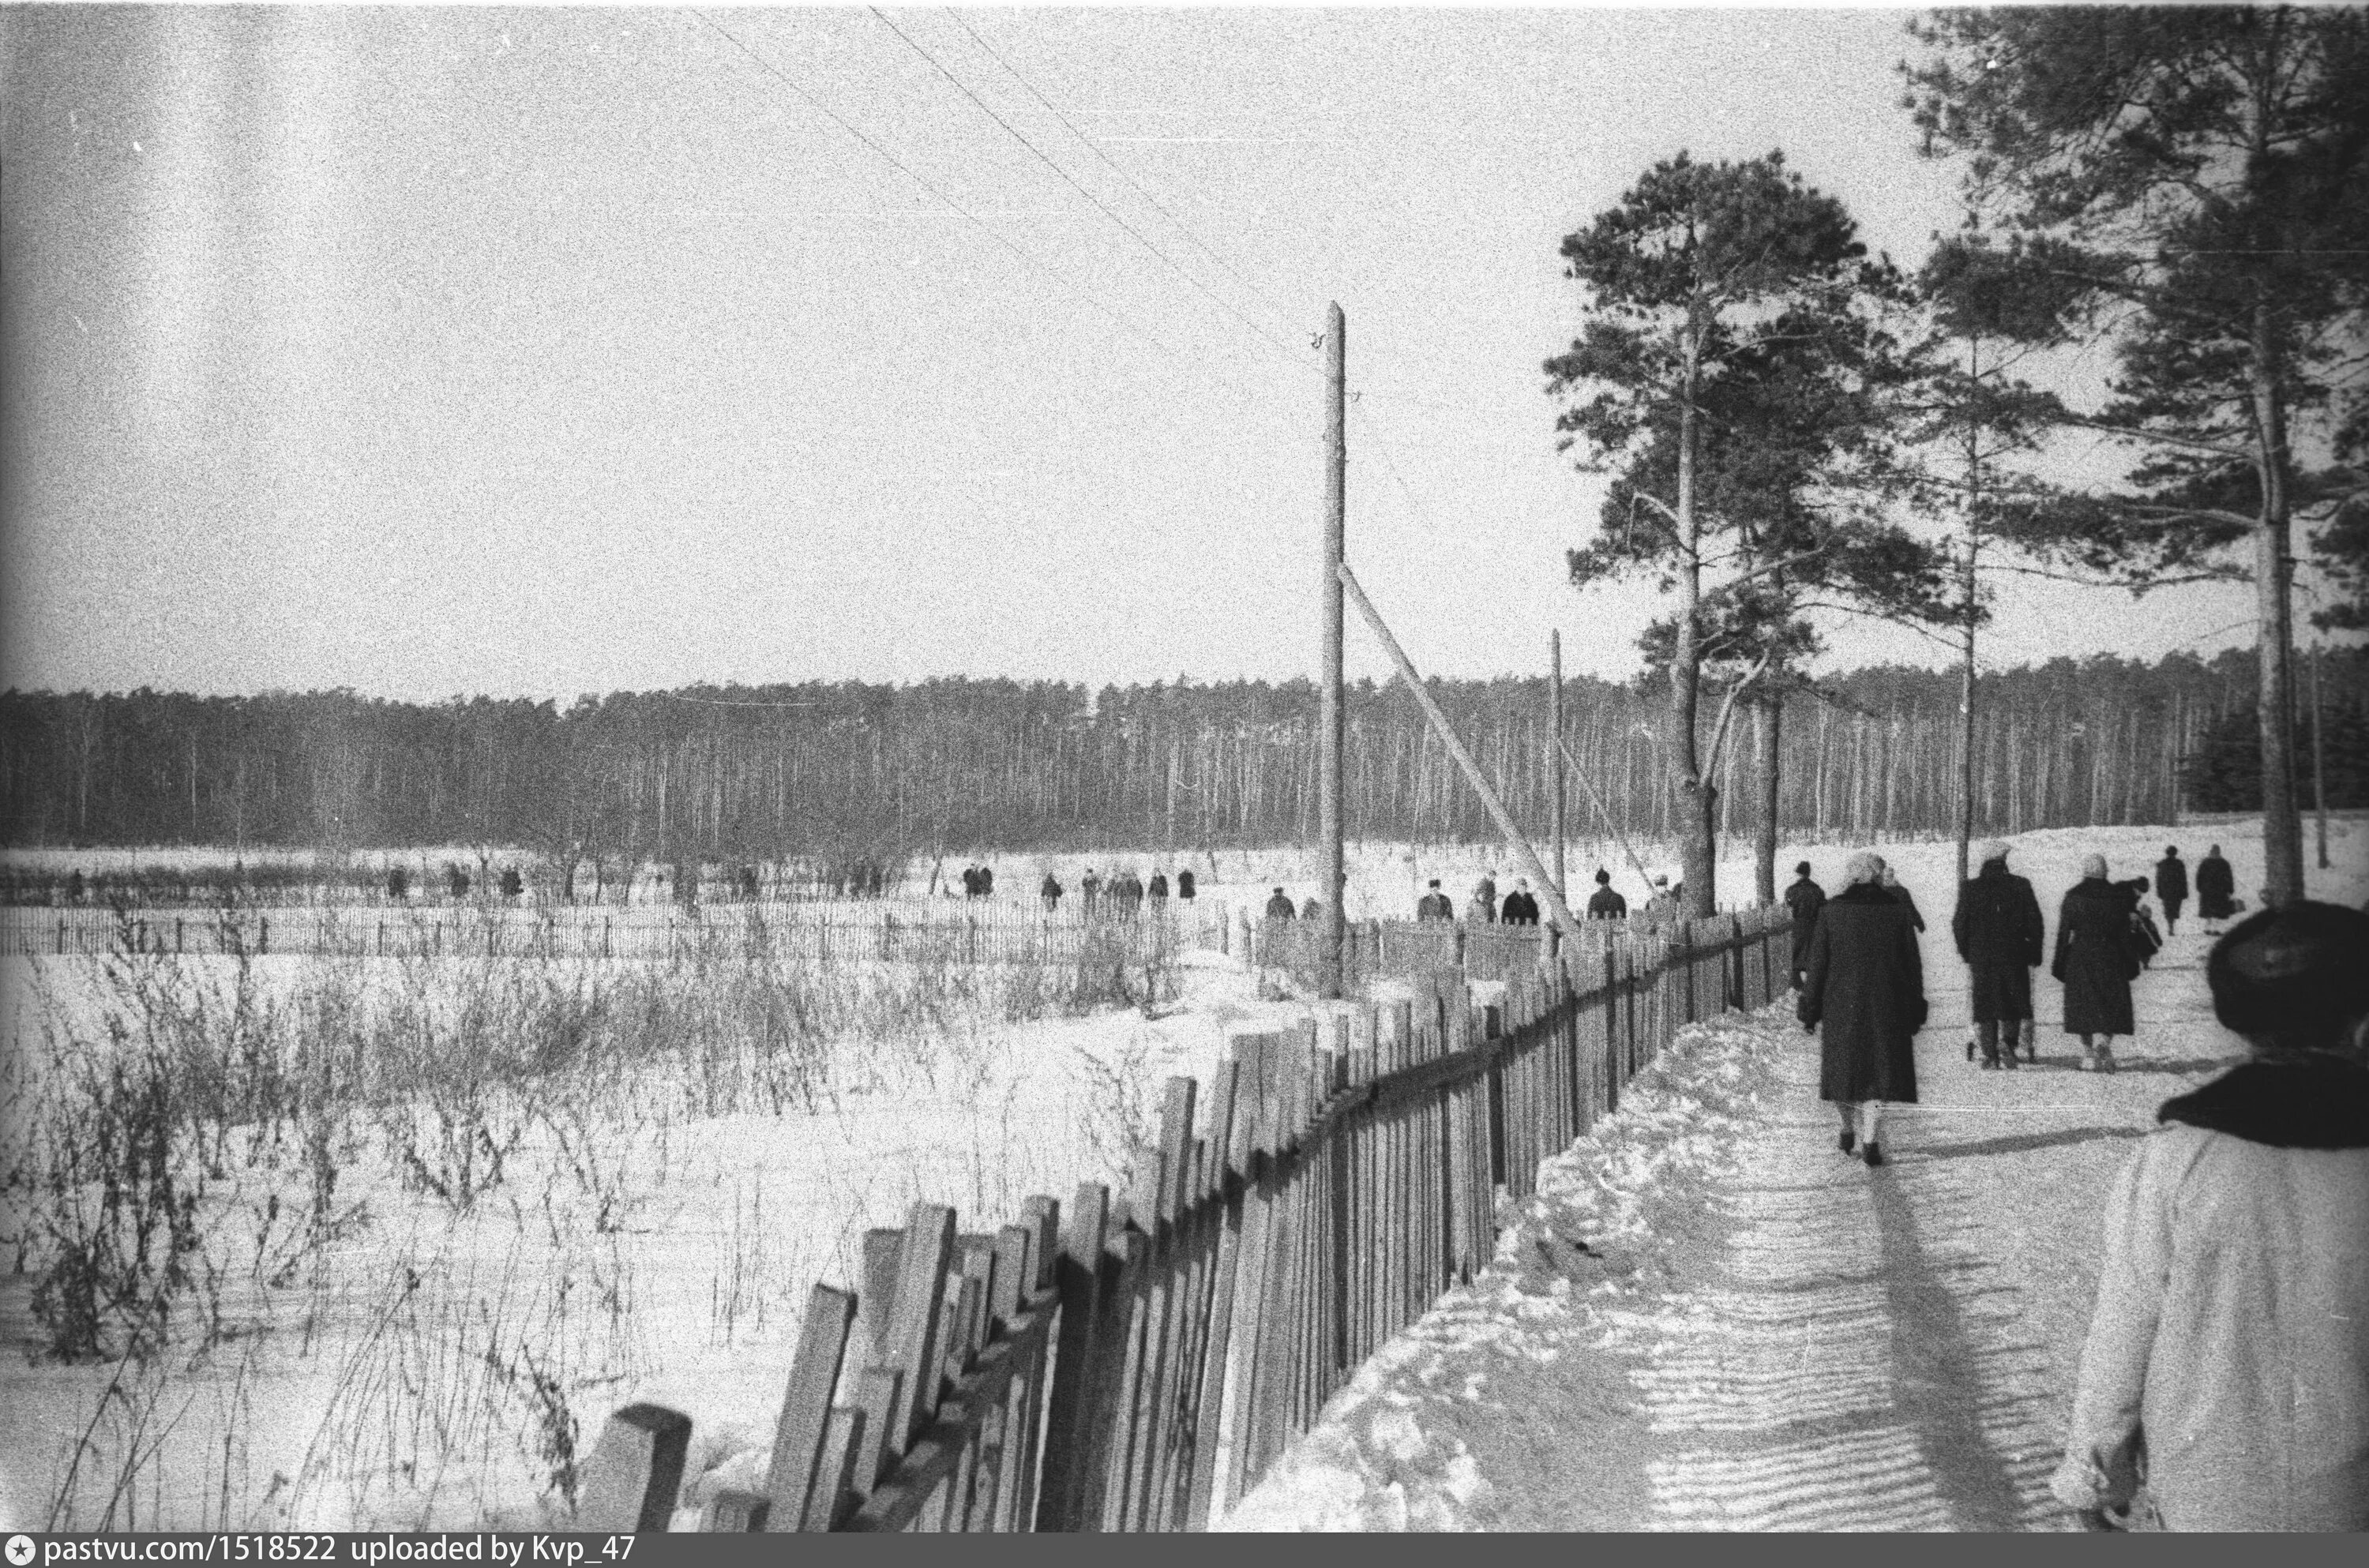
(1711, 1318)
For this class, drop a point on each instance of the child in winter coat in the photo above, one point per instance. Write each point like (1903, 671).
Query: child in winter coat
(2227, 1362)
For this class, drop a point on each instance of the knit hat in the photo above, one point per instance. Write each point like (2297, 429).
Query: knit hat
(1864, 865)
(2093, 866)
(1988, 850)
(2292, 977)
(1802, 869)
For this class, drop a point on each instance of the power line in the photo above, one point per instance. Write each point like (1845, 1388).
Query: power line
(1095, 147)
(980, 224)
(1112, 212)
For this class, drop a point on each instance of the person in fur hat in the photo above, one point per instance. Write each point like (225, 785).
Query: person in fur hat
(2227, 1360)
(2096, 963)
(1864, 992)
(1999, 934)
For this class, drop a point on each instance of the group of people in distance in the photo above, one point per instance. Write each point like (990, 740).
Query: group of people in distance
(2227, 1366)
(1123, 894)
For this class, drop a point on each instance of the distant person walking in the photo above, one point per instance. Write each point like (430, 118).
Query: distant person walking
(1804, 899)
(1662, 904)
(1280, 907)
(1484, 900)
(1864, 992)
(1604, 904)
(1310, 910)
(1128, 892)
(1902, 895)
(2216, 889)
(1185, 886)
(2228, 1354)
(1090, 888)
(1050, 890)
(1435, 905)
(1159, 888)
(1999, 934)
(1521, 905)
(2171, 886)
(2095, 961)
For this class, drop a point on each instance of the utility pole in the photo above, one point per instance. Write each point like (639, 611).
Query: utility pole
(2318, 763)
(1554, 728)
(1331, 725)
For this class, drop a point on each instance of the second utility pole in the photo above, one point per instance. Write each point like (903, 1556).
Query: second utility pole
(1331, 725)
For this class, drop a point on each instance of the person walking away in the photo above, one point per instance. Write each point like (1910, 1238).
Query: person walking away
(1891, 882)
(2216, 889)
(2146, 940)
(2171, 886)
(1280, 906)
(2229, 1353)
(1999, 934)
(1863, 994)
(1521, 907)
(1804, 899)
(1484, 900)
(970, 882)
(1089, 889)
(1184, 886)
(1435, 905)
(1158, 887)
(1310, 910)
(2095, 961)
(987, 882)
(1050, 891)
(1604, 904)
(1130, 894)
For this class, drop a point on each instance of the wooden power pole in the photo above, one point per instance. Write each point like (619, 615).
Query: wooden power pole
(1554, 728)
(1331, 726)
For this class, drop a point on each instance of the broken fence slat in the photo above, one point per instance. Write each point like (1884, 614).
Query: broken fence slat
(634, 1471)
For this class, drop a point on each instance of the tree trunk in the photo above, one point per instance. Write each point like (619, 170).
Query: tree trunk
(1698, 798)
(1768, 719)
(2273, 567)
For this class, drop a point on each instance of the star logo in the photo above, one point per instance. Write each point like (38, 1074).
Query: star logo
(21, 1551)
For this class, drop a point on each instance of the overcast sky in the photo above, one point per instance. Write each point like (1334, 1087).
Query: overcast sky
(433, 350)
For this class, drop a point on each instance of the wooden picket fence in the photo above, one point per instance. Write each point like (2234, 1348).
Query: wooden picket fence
(1140, 1362)
(903, 931)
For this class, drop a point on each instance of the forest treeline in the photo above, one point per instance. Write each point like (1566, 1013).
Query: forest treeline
(847, 769)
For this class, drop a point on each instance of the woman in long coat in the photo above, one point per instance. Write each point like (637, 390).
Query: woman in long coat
(1863, 991)
(2216, 887)
(2095, 961)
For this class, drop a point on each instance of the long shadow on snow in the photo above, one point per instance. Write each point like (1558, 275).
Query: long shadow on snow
(2019, 1143)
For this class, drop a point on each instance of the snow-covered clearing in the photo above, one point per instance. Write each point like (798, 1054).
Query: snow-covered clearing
(1709, 1319)
(393, 1357)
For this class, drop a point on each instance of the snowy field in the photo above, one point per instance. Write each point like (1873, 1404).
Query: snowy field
(390, 1351)
(1708, 1318)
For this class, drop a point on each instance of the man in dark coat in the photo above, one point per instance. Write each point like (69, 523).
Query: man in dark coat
(1184, 886)
(1159, 888)
(1484, 900)
(1604, 904)
(1435, 905)
(2215, 890)
(1999, 934)
(2171, 886)
(1280, 906)
(1050, 891)
(1804, 899)
(1864, 992)
(2095, 961)
(1521, 906)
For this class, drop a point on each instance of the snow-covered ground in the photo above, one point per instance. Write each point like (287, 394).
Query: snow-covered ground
(424, 1366)
(1709, 1319)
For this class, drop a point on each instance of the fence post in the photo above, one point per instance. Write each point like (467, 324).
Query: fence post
(634, 1471)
